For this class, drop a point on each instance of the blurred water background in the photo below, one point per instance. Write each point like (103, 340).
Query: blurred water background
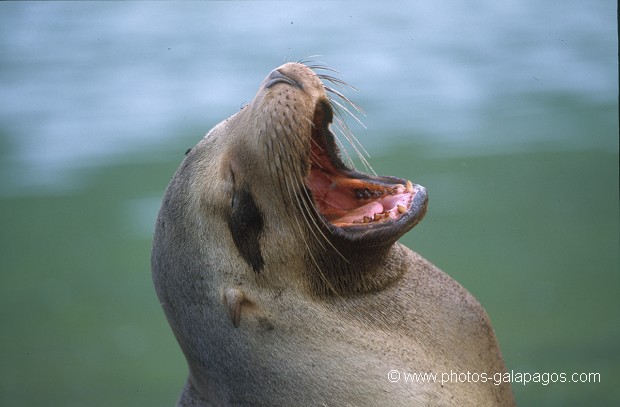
(506, 111)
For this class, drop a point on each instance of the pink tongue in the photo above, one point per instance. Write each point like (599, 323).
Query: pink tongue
(357, 214)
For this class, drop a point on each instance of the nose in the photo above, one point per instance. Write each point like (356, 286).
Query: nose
(276, 77)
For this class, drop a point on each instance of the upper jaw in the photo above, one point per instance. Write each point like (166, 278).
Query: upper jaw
(356, 207)
(352, 206)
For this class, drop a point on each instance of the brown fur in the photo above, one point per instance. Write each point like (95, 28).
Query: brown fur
(307, 327)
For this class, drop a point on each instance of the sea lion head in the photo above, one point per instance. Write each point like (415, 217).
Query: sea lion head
(266, 193)
(272, 259)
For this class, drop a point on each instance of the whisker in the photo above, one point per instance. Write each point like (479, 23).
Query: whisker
(343, 107)
(342, 126)
(308, 60)
(316, 264)
(342, 148)
(293, 196)
(291, 154)
(302, 234)
(354, 142)
(289, 180)
(345, 98)
(308, 209)
(336, 81)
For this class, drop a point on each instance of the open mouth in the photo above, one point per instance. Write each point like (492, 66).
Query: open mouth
(347, 199)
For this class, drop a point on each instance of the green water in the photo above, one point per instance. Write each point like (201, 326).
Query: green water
(534, 236)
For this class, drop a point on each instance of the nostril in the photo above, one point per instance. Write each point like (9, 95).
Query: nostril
(276, 77)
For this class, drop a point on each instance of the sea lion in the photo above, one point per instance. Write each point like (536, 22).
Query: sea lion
(278, 269)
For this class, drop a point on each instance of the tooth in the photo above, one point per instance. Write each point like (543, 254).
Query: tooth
(378, 216)
(366, 219)
(401, 209)
(409, 187)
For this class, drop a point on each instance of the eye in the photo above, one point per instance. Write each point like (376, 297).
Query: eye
(246, 225)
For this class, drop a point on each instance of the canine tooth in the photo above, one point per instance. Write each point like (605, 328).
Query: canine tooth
(409, 187)
(401, 209)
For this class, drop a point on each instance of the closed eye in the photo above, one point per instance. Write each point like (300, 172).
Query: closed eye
(246, 225)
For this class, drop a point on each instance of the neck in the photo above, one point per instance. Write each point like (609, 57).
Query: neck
(355, 272)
